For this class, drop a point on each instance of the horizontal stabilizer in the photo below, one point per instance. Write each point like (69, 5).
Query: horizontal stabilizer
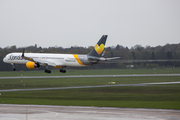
(101, 58)
(112, 58)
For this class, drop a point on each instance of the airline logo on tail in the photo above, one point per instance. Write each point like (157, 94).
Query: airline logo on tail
(99, 49)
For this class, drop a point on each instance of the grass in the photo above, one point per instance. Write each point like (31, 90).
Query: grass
(152, 96)
(71, 82)
(92, 72)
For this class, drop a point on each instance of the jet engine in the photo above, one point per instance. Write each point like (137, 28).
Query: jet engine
(32, 65)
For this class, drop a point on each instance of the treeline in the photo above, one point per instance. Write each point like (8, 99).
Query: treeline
(169, 52)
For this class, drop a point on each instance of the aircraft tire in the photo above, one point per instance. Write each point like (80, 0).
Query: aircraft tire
(47, 71)
(63, 71)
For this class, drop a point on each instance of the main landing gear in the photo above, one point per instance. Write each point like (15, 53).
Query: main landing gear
(47, 71)
(63, 71)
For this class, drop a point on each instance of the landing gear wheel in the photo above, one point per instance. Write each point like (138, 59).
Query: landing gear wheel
(13, 66)
(47, 71)
(63, 71)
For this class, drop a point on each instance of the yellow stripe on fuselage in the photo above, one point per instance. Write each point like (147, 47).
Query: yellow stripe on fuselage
(58, 66)
(77, 59)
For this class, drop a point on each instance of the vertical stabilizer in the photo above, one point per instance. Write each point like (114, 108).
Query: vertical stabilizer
(98, 49)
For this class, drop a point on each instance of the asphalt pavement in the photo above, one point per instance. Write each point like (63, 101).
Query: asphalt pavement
(47, 112)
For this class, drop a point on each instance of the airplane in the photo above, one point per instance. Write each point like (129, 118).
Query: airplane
(35, 60)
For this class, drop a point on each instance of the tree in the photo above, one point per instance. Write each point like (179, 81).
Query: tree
(152, 56)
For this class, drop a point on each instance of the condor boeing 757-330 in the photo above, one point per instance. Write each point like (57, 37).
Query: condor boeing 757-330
(35, 60)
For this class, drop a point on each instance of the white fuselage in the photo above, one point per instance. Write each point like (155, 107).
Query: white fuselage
(55, 59)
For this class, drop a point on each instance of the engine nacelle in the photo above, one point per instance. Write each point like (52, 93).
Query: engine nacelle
(32, 65)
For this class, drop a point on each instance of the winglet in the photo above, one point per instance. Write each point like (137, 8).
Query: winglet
(23, 53)
(26, 58)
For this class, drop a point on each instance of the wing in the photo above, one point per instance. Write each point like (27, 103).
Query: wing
(44, 62)
(41, 61)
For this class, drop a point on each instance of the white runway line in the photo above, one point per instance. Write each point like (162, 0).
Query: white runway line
(161, 83)
(58, 88)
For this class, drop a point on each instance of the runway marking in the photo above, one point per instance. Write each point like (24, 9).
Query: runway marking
(159, 83)
(58, 88)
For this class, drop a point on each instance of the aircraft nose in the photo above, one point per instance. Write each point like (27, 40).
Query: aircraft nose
(4, 60)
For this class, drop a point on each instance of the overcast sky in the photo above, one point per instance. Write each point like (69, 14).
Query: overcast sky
(68, 23)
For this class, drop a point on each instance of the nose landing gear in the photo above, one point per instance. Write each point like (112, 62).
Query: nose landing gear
(13, 66)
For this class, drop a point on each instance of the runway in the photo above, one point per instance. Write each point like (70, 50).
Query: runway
(88, 76)
(47, 112)
(98, 86)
